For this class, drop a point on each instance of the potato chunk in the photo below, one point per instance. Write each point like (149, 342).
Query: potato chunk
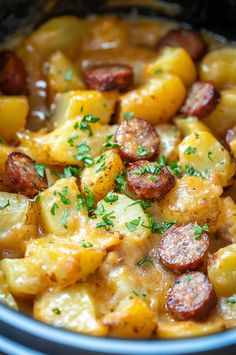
(13, 113)
(25, 277)
(77, 261)
(192, 199)
(223, 117)
(72, 308)
(175, 61)
(6, 297)
(203, 152)
(17, 223)
(156, 101)
(170, 139)
(68, 144)
(190, 125)
(59, 214)
(132, 318)
(84, 102)
(100, 178)
(219, 67)
(62, 75)
(227, 227)
(222, 271)
(125, 218)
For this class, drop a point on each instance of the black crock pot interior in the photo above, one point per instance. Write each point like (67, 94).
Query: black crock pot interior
(217, 16)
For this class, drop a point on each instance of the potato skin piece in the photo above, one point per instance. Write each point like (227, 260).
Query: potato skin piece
(201, 100)
(133, 134)
(12, 74)
(149, 186)
(191, 297)
(191, 41)
(109, 77)
(23, 176)
(181, 251)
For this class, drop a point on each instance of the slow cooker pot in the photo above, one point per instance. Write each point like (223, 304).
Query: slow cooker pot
(23, 335)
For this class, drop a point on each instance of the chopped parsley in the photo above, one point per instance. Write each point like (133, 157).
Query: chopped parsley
(56, 311)
(141, 151)
(63, 195)
(231, 300)
(37, 197)
(145, 260)
(109, 144)
(143, 203)
(106, 220)
(163, 226)
(101, 162)
(190, 170)
(197, 135)
(190, 150)
(84, 124)
(68, 75)
(198, 230)
(128, 115)
(111, 197)
(53, 208)
(187, 278)
(209, 154)
(175, 169)
(80, 202)
(5, 206)
(132, 225)
(82, 154)
(158, 71)
(72, 138)
(120, 182)
(71, 170)
(64, 219)
(40, 168)
(85, 244)
(100, 210)
(90, 199)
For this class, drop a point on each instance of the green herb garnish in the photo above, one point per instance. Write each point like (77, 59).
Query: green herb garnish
(40, 168)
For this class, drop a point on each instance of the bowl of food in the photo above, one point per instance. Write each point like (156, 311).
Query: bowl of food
(117, 178)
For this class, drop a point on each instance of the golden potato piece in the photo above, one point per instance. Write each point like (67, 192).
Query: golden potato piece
(17, 224)
(221, 271)
(99, 179)
(190, 125)
(13, 113)
(25, 277)
(219, 67)
(72, 308)
(192, 199)
(84, 102)
(131, 319)
(203, 152)
(6, 297)
(174, 61)
(124, 217)
(78, 259)
(170, 138)
(58, 210)
(223, 117)
(227, 226)
(156, 101)
(62, 75)
(68, 144)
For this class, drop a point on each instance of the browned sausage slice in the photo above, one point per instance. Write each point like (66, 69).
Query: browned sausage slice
(191, 297)
(138, 140)
(201, 100)
(109, 77)
(12, 74)
(179, 249)
(148, 181)
(23, 176)
(191, 41)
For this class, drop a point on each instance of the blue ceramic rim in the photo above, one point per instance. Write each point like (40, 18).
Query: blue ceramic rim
(117, 346)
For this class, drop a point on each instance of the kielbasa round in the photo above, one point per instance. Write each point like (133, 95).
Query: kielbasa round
(148, 181)
(12, 74)
(23, 176)
(138, 140)
(180, 250)
(191, 41)
(192, 296)
(109, 77)
(201, 100)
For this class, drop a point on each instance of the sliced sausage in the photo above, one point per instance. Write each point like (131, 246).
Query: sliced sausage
(191, 41)
(148, 181)
(180, 251)
(23, 176)
(138, 140)
(109, 77)
(191, 297)
(201, 100)
(12, 74)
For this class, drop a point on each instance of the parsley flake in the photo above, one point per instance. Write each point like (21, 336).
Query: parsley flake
(64, 219)
(209, 154)
(141, 151)
(63, 195)
(84, 124)
(120, 182)
(106, 220)
(132, 225)
(128, 115)
(53, 208)
(231, 300)
(82, 154)
(162, 226)
(68, 75)
(190, 150)
(40, 168)
(72, 138)
(85, 244)
(198, 230)
(145, 260)
(5, 206)
(111, 197)
(56, 311)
